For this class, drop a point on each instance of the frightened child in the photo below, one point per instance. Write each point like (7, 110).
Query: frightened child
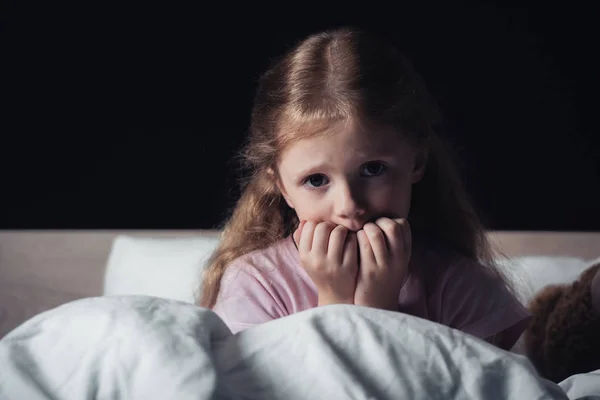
(353, 199)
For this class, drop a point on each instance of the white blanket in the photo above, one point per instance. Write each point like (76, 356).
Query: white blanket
(149, 348)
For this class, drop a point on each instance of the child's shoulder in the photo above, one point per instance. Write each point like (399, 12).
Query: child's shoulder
(440, 262)
(435, 253)
(273, 259)
(448, 268)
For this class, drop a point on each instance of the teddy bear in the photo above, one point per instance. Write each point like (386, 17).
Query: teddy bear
(563, 338)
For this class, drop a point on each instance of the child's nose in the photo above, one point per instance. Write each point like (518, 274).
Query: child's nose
(350, 203)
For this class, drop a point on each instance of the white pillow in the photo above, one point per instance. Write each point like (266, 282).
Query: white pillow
(162, 267)
(545, 271)
(533, 273)
(172, 268)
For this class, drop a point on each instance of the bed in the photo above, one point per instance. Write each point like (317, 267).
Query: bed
(40, 270)
(45, 271)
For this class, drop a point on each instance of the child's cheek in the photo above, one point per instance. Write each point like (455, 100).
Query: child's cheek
(391, 201)
(311, 211)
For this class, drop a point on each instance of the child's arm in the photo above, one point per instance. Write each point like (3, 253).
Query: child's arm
(246, 299)
(474, 301)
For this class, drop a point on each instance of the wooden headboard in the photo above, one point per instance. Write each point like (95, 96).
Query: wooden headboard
(40, 270)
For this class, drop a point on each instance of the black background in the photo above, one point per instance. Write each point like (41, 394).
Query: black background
(127, 119)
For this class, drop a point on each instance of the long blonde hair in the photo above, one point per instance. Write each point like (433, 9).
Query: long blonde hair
(330, 76)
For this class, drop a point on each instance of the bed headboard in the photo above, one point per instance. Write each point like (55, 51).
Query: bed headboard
(40, 270)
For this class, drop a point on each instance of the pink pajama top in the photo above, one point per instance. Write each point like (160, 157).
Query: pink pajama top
(442, 286)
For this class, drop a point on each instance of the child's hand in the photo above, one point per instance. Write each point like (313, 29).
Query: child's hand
(329, 254)
(385, 248)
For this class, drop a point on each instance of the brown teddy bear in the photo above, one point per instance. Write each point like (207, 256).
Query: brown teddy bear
(563, 338)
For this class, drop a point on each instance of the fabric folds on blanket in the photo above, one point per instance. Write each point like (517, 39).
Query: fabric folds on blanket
(137, 347)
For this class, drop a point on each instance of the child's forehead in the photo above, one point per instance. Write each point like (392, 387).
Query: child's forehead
(350, 136)
(347, 143)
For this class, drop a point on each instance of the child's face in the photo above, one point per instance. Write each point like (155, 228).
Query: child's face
(350, 177)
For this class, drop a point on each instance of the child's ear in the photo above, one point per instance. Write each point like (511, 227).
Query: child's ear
(420, 164)
(272, 175)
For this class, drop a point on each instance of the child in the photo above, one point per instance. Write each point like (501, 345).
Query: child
(353, 199)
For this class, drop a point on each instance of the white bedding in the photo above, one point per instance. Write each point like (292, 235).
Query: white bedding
(139, 347)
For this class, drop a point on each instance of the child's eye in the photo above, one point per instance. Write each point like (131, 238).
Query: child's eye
(373, 168)
(316, 180)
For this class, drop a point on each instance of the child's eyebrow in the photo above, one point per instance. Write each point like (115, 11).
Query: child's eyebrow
(311, 169)
(374, 153)
(317, 167)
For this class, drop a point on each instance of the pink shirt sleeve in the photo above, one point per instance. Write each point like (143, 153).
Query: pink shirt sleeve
(246, 298)
(475, 302)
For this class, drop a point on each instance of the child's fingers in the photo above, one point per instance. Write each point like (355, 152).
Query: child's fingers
(364, 248)
(393, 234)
(321, 237)
(306, 239)
(337, 239)
(378, 243)
(350, 255)
(298, 233)
(406, 235)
